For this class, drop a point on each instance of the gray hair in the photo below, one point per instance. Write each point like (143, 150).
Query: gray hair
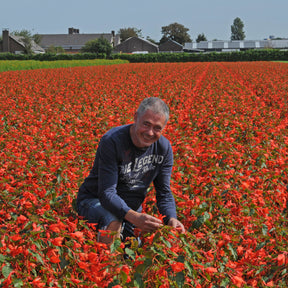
(154, 104)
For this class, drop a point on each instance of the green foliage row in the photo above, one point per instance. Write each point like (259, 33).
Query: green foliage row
(52, 56)
(249, 55)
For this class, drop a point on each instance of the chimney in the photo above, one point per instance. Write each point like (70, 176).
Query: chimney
(73, 31)
(6, 42)
(113, 38)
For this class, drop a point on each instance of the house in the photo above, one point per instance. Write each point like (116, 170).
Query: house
(16, 44)
(170, 46)
(74, 41)
(136, 45)
(239, 45)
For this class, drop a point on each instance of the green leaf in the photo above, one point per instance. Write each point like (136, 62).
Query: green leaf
(138, 282)
(59, 177)
(6, 270)
(198, 222)
(123, 276)
(2, 258)
(148, 262)
(233, 251)
(261, 245)
(63, 262)
(189, 268)
(115, 245)
(113, 283)
(167, 243)
(264, 229)
(38, 244)
(159, 252)
(189, 252)
(37, 256)
(181, 258)
(206, 216)
(130, 253)
(180, 279)
(156, 237)
(18, 283)
(225, 282)
(140, 268)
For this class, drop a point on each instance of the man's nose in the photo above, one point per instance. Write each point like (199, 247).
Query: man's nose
(150, 131)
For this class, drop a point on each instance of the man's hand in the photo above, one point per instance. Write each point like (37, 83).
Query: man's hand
(144, 222)
(173, 222)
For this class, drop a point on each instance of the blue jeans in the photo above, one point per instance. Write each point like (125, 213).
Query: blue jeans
(94, 212)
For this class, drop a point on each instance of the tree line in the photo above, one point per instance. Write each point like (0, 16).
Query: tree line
(179, 33)
(175, 31)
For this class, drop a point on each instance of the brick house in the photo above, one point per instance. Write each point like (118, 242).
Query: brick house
(74, 41)
(15, 44)
(170, 46)
(136, 45)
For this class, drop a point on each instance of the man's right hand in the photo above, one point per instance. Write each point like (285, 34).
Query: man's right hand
(144, 222)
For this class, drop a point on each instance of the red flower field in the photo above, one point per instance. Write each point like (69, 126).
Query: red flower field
(229, 132)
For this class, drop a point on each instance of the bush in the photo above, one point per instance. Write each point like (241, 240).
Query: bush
(98, 46)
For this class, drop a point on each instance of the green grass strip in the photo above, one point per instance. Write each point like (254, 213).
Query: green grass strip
(9, 65)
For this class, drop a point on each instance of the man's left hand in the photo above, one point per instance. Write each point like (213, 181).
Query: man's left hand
(173, 222)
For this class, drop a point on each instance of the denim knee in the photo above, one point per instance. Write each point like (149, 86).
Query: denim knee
(94, 212)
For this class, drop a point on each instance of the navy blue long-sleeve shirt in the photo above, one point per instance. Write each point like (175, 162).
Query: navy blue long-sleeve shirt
(122, 173)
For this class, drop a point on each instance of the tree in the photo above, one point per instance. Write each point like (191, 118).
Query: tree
(24, 33)
(100, 45)
(27, 39)
(126, 33)
(237, 32)
(37, 38)
(176, 32)
(201, 37)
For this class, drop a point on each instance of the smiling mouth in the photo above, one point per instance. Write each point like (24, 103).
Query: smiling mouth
(148, 138)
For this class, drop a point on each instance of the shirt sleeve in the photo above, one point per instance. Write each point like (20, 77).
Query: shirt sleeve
(164, 196)
(108, 179)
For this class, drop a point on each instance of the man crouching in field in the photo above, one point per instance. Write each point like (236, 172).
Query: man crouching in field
(129, 158)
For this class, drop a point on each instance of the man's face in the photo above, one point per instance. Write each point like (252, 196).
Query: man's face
(147, 128)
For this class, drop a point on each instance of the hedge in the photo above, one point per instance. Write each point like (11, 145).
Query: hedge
(249, 55)
(51, 56)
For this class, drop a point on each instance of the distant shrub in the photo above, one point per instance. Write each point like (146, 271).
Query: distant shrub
(55, 49)
(98, 46)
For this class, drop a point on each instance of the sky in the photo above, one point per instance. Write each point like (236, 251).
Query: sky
(261, 18)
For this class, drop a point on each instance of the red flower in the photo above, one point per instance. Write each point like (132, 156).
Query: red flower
(54, 259)
(177, 266)
(238, 281)
(57, 241)
(281, 259)
(211, 270)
